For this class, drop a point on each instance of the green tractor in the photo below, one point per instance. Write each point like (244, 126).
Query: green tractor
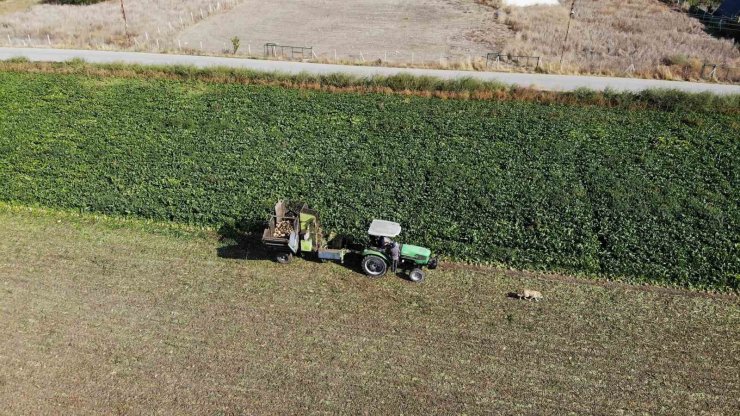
(376, 259)
(294, 229)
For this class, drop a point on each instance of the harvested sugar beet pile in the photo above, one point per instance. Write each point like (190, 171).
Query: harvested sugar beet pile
(283, 229)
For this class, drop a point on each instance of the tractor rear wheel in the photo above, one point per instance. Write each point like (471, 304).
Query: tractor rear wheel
(284, 258)
(416, 275)
(374, 266)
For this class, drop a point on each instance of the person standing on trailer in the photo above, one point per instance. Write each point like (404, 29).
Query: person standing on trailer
(395, 255)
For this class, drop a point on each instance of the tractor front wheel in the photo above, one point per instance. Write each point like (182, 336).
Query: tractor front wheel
(374, 266)
(416, 275)
(284, 258)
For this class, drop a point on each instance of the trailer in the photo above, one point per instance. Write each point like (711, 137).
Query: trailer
(295, 229)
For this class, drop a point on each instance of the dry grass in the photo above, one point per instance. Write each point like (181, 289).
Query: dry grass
(111, 316)
(617, 37)
(152, 24)
(12, 6)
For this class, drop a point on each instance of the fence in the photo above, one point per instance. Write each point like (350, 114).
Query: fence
(517, 60)
(719, 24)
(720, 72)
(287, 51)
(722, 25)
(597, 63)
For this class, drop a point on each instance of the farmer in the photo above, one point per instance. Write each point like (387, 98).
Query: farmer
(395, 255)
(384, 243)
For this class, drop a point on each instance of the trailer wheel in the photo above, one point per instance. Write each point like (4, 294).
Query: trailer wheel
(284, 258)
(374, 266)
(416, 275)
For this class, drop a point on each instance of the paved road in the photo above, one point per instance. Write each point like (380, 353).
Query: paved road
(538, 81)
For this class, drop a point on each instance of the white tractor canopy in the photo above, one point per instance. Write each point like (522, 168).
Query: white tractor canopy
(381, 228)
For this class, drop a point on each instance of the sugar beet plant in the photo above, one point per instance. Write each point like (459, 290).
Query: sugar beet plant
(643, 195)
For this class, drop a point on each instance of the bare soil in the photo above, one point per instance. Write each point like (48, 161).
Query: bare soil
(112, 316)
(390, 30)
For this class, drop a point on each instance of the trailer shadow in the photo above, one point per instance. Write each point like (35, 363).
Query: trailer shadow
(242, 241)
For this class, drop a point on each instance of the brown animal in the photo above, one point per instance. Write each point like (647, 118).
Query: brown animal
(529, 295)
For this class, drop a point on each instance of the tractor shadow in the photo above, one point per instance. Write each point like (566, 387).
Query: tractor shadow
(353, 262)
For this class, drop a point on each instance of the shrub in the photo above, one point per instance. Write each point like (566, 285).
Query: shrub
(681, 60)
(235, 43)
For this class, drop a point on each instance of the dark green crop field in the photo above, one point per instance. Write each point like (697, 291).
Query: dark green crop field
(643, 195)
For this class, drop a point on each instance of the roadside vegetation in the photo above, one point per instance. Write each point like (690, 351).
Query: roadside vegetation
(127, 316)
(640, 195)
(461, 89)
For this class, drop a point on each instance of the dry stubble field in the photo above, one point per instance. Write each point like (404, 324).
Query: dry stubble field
(113, 316)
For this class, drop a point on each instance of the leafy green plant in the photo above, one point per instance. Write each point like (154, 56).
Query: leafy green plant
(647, 195)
